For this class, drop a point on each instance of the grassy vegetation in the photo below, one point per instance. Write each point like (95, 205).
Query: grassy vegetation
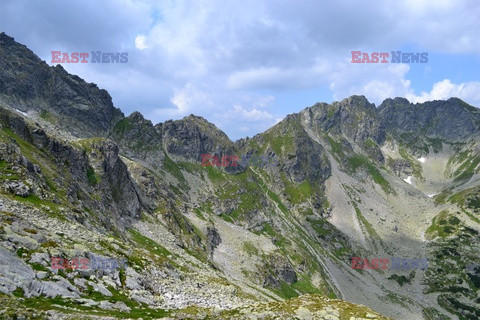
(336, 148)
(443, 225)
(32, 153)
(361, 161)
(297, 194)
(68, 306)
(319, 227)
(401, 280)
(417, 168)
(467, 169)
(93, 178)
(50, 244)
(170, 166)
(305, 286)
(267, 229)
(442, 197)
(123, 125)
(277, 200)
(148, 244)
(199, 214)
(285, 291)
(436, 144)
(38, 267)
(21, 251)
(88, 144)
(364, 221)
(6, 172)
(280, 143)
(47, 116)
(215, 175)
(250, 248)
(369, 143)
(433, 314)
(50, 208)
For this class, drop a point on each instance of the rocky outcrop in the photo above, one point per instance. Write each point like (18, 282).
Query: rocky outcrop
(354, 118)
(278, 269)
(452, 120)
(401, 166)
(29, 84)
(138, 139)
(213, 238)
(189, 138)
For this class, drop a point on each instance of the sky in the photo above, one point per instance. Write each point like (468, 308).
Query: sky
(245, 65)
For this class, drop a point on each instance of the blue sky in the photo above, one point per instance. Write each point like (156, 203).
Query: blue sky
(244, 65)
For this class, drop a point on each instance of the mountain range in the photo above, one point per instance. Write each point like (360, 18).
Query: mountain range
(354, 182)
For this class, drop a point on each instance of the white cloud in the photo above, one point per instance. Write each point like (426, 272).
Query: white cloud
(376, 81)
(252, 114)
(187, 100)
(445, 89)
(205, 57)
(140, 42)
(264, 102)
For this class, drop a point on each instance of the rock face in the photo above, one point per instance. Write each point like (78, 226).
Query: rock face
(29, 84)
(282, 270)
(353, 117)
(451, 120)
(187, 139)
(78, 181)
(400, 166)
(115, 179)
(213, 239)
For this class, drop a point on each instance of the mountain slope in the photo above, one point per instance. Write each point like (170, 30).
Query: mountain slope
(352, 180)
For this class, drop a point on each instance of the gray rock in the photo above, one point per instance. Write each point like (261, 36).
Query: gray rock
(23, 241)
(51, 289)
(213, 239)
(87, 302)
(451, 120)
(14, 272)
(133, 279)
(18, 188)
(100, 288)
(114, 306)
(80, 282)
(41, 258)
(142, 298)
(401, 166)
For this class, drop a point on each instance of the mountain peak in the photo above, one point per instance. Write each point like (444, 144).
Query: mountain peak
(6, 39)
(28, 83)
(451, 120)
(356, 102)
(355, 98)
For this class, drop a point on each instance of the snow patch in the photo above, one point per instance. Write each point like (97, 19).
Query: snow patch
(21, 112)
(422, 159)
(408, 180)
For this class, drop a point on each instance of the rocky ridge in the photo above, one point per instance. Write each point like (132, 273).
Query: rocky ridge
(252, 241)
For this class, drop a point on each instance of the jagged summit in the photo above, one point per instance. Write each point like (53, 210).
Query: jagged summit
(6, 39)
(453, 119)
(28, 84)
